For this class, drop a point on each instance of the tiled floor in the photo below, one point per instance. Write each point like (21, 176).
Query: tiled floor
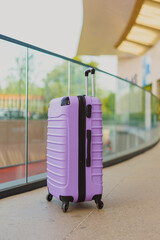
(131, 208)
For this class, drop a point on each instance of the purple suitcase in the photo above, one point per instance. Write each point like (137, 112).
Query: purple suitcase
(75, 148)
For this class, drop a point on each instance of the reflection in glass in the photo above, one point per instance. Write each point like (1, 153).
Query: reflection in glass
(12, 114)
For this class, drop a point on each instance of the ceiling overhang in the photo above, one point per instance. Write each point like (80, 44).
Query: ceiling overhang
(119, 27)
(143, 29)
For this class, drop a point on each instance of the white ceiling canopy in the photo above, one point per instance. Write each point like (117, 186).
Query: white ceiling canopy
(103, 23)
(124, 28)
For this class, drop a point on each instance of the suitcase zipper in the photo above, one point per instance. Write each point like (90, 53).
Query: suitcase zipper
(81, 154)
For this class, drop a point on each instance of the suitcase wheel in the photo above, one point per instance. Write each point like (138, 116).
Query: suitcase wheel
(65, 206)
(99, 204)
(49, 197)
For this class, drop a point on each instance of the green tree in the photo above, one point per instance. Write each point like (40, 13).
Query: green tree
(108, 106)
(16, 80)
(91, 63)
(55, 84)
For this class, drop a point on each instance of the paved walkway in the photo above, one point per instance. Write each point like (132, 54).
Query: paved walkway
(131, 211)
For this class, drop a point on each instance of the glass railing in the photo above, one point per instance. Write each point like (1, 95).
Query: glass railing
(30, 77)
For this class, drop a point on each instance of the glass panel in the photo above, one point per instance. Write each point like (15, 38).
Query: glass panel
(12, 114)
(106, 91)
(48, 78)
(77, 80)
(147, 115)
(154, 134)
(122, 117)
(137, 116)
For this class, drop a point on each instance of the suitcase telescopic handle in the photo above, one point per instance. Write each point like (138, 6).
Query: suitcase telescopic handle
(92, 71)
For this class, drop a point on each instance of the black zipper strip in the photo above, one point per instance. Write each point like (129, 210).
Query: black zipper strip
(81, 154)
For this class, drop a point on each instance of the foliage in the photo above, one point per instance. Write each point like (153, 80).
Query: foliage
(56, 85)
(16, 81)
(91, 63)
(108, 106)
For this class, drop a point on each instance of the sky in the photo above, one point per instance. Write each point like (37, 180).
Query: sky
(54, 25)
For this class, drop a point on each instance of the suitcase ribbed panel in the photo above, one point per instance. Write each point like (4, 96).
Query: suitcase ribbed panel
(97, 146)
(57, 151)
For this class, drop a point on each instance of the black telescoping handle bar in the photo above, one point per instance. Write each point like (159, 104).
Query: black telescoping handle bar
(89, 70)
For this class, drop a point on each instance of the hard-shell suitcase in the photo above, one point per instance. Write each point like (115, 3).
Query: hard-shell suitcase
(75, 149)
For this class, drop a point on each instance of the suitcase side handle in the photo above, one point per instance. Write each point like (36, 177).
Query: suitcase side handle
(88, 148)
(92, 71)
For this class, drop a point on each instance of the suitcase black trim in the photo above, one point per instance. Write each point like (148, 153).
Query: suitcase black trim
(97, 197)
(81, 152)
(65, 101)
(88, 162)
(89, 110)
(66, 198)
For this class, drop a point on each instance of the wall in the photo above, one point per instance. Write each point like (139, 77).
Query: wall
(128, 68)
